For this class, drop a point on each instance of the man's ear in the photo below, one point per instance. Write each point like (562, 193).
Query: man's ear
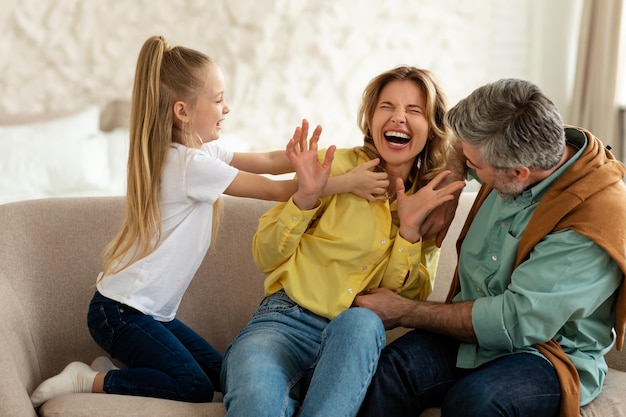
(522, 173)
(180, 111)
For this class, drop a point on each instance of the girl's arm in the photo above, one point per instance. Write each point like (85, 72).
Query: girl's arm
(273, 162)
(360, 181)
(251, 185)
(312, 176)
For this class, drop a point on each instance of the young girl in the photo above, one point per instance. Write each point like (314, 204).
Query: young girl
(176, 175)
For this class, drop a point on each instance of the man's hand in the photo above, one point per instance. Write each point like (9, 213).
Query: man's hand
(388, 305)
(453, 320)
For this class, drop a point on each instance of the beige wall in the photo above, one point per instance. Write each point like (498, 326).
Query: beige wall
(283, 59)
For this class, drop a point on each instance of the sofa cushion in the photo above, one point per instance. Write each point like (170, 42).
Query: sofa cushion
(17, 353)
(50, 259)
(99, 405)
(611, 399)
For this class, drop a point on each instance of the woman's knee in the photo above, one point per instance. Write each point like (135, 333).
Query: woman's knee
(357, 321)
(253, 357)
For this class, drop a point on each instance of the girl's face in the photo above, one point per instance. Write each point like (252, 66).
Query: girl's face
(211, 108)
(399, 126)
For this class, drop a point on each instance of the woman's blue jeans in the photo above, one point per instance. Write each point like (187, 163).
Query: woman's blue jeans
(287, 358)
(418, 371)
(163, 359)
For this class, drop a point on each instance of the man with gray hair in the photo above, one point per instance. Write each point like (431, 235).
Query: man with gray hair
(537, 299)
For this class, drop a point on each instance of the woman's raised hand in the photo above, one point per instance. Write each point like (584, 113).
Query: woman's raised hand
(312, 176)
(413, 209)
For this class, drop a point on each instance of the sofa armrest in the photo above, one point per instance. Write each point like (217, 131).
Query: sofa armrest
(18, 362)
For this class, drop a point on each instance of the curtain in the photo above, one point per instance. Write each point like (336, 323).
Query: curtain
(593, 103)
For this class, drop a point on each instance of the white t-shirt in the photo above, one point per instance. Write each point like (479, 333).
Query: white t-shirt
(191, 181)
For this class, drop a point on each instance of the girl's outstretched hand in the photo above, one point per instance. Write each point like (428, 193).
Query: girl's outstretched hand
(312, 176)
(413, 209)
(368, 184)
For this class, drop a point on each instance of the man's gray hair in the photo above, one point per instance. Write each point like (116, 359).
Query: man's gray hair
(512, 123)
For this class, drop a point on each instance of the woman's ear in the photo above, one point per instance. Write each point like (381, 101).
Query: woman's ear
(180, 111)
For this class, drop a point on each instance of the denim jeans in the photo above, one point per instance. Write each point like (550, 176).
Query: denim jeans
(287, 358)
(164, 359)
(418, 371)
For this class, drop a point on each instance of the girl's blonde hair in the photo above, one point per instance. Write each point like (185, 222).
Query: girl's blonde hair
(164, 75)
(433, 157)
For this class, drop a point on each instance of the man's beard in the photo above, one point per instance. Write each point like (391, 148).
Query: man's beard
(507, 189)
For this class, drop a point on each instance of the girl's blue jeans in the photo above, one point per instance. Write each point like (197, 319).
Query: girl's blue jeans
(164, 359)
(287, 358)
(418, 371)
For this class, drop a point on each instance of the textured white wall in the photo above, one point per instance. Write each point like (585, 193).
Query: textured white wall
(283, 59)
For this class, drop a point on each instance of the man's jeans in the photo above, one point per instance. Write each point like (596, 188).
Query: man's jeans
(164, 359)
(286, 352)
(418, 371)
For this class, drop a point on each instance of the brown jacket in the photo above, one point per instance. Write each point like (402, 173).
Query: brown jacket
(590, 198)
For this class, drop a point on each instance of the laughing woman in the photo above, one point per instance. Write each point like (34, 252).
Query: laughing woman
(306, 348)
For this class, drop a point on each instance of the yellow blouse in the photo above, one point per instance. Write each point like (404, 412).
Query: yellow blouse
(325, 256)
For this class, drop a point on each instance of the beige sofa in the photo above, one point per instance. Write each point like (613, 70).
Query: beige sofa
(49, 259)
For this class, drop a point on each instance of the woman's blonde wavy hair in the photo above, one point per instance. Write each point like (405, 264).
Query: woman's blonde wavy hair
(433, 157)
(164, 75)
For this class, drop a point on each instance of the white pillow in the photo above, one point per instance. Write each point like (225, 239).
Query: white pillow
(77, 125)
(118, 142)
(57, 157)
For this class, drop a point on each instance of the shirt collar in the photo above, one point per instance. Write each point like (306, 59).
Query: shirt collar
(573, 137)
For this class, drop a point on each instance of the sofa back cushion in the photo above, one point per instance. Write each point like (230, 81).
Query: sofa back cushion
(50, 251)
(228, 286)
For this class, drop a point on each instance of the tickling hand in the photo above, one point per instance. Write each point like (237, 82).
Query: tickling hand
(368, 184)
(388, 305)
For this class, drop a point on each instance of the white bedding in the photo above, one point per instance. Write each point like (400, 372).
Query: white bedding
(62, 156)
(69, 155)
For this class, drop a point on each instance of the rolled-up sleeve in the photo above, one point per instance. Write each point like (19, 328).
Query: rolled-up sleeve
(567, 277)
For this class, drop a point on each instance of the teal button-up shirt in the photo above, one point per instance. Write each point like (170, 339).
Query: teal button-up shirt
(565, 290)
